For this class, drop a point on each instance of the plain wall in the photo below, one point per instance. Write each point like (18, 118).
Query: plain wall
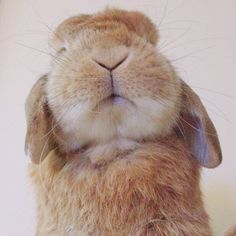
(198, 36)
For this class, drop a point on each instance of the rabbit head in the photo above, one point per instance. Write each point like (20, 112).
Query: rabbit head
(108, 81)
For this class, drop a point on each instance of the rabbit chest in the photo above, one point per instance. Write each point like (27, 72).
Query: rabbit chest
(144, 191)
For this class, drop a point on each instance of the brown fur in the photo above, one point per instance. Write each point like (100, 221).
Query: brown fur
(153, 190)
(102, 167)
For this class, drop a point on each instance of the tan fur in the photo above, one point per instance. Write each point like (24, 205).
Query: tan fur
(152, 189)
(117, 151)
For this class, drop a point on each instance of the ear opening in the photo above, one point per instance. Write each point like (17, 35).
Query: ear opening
(198, 131)
(39, 140)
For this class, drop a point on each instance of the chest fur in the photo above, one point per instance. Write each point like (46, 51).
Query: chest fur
(124, 196)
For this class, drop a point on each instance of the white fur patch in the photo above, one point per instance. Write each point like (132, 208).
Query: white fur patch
(105, 151)
(146, 118)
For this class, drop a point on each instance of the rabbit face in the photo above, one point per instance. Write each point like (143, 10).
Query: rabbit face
(111, 83)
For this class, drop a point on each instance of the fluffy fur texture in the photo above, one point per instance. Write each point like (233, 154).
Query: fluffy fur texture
(115, 136)
(153, 190)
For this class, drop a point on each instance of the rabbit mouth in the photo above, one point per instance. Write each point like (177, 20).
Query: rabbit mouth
(115, 99)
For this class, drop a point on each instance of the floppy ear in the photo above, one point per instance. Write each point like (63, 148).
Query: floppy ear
(198, 130)
(38, 141)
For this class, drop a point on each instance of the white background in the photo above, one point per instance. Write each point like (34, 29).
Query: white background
(200, 38)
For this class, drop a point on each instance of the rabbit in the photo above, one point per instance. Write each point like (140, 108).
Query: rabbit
(116, 138)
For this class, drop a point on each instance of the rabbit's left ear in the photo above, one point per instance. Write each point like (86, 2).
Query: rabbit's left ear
(39, 142)
(198, 130)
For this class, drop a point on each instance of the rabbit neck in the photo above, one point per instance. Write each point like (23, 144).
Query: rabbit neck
(151, 184)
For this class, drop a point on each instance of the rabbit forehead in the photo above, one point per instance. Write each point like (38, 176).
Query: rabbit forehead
(117, 22)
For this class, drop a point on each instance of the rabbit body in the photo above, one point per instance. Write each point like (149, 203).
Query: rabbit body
(151, 190)
(116, 138)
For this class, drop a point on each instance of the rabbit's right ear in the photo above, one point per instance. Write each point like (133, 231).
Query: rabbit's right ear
(38, 141)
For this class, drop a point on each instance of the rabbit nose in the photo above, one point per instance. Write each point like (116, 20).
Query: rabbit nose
(109, 56)
(111, 66)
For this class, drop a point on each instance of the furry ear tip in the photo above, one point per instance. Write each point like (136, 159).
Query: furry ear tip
(198, 131)
(215, 163)
(38, 122)
(211, 165)
(29, 152)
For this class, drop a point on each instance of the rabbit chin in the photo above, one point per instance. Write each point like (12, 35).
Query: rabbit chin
(140, 119)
